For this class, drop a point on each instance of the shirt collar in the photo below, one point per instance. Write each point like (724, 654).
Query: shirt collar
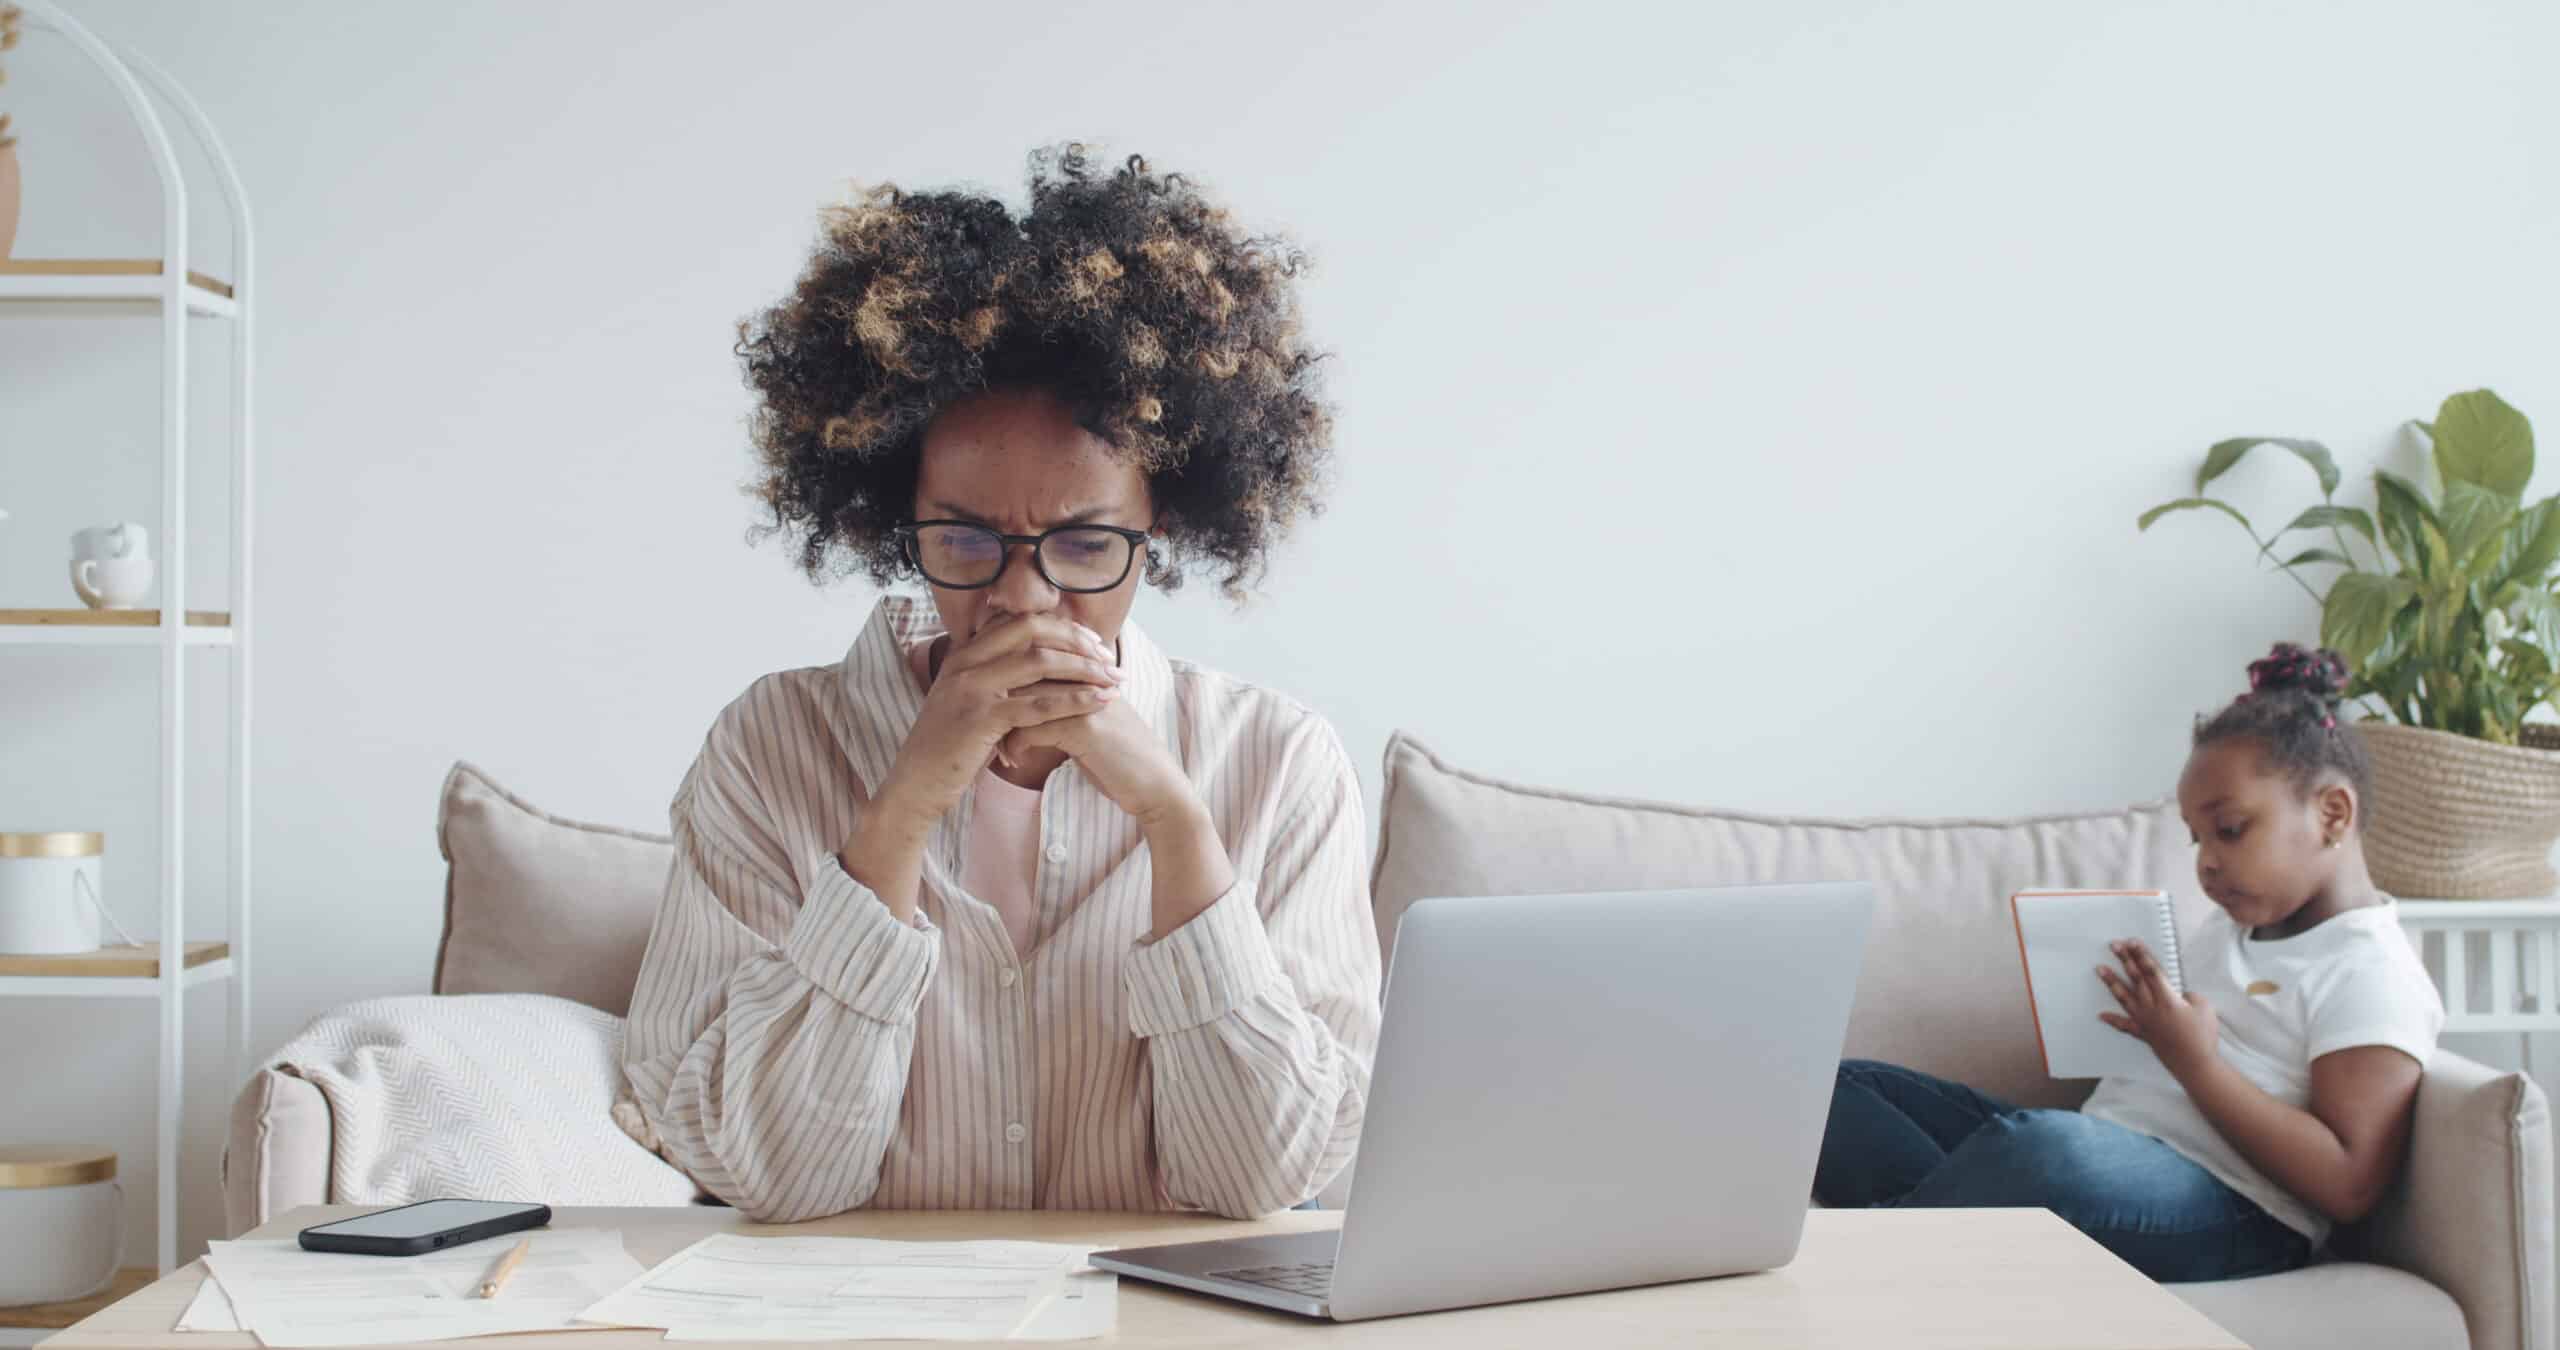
(887, 701)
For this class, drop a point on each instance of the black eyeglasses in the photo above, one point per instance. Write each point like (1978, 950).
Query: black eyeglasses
(963, 556)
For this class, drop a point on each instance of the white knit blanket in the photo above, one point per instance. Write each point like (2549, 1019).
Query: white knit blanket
(483, 1096)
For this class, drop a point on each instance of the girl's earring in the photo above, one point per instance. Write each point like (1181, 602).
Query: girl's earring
(2333, 842)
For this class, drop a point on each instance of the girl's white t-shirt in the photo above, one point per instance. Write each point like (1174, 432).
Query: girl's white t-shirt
(2354, 980)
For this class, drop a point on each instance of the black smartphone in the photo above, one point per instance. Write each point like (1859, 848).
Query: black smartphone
(429, 1225)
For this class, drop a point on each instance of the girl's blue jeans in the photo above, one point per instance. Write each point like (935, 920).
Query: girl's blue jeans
(1898, 1137)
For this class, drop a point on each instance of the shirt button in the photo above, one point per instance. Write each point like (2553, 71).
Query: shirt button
(1013, 1134)
(1056, 853)
(1005, 977)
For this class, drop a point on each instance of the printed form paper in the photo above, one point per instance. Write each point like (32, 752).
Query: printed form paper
(291, 1297)
(733, 1287)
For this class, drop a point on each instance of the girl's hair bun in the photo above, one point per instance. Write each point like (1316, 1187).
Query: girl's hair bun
(2291, 711)
(2322, 674)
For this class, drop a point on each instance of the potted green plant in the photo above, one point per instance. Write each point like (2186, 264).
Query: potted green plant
(2450, 624)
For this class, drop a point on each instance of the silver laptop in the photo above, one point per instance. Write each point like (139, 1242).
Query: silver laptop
(1572, 1093)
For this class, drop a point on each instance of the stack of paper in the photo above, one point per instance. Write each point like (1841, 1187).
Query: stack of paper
(730, 1287)
(727, 1287)
(291, 1297)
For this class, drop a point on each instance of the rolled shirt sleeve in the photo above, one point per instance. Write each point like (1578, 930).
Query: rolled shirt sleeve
(1261, 1014)
(774, 1021)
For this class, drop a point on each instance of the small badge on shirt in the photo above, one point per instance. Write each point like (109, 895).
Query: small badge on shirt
(2261, 987)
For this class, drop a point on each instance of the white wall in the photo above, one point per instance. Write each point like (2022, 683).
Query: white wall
(1744, 404)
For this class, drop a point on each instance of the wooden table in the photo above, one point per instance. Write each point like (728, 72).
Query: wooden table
(1960, 1279)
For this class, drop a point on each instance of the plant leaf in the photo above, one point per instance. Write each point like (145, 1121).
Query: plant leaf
(2441, 600)
(2473, 516)
(2430, 480)
(2325, 517)
(2219, 459)
(2359, 612)
(2390, 672)
(2190, 504)
(2482, 441)
(2326, 555)
(2386, 667)
(2541, 610)
(2532, 544)
(2404, 514)
(2527, 661)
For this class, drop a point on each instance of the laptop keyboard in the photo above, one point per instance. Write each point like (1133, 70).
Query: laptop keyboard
(1313, 1279)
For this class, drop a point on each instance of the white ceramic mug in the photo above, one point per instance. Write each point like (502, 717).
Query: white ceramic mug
(124, 539)
(112, 583)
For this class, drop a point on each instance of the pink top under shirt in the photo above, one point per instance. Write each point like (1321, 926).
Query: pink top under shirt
(1000, 858)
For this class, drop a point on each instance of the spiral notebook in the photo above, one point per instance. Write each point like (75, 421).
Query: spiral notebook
(2062, 939)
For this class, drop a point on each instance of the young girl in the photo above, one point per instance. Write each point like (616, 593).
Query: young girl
(2287, 1073)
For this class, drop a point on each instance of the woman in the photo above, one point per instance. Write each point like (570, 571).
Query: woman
(1009, 909)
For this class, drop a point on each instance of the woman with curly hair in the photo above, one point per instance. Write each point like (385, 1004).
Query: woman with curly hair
(1007, 908)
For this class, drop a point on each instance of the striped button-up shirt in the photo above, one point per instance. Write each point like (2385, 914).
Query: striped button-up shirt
(799, 1051)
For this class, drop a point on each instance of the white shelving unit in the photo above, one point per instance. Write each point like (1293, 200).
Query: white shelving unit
(2518, 989)
(133, 282)
(166, 290)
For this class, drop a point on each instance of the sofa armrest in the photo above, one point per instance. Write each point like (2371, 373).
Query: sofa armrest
(277, 1156)
(2472, 1210)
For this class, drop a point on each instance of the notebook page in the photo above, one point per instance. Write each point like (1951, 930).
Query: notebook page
(2063, 937)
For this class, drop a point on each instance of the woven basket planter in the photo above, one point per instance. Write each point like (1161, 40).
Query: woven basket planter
(2461, 819)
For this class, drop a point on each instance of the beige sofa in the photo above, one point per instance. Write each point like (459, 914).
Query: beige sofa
(2460, 1254)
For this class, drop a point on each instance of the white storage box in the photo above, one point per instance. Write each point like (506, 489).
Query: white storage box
(61, 1224)
(50, 896)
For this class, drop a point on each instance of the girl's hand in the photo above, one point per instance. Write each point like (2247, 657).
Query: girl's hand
(2182, 1030)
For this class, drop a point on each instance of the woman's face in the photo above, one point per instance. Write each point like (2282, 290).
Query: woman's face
(1016, 461)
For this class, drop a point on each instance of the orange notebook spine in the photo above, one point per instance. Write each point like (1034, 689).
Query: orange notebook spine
(2018, 929)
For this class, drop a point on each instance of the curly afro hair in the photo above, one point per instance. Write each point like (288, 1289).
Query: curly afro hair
(2292, 710)
(1171, 334)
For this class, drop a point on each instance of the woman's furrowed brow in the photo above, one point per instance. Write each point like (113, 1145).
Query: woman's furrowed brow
(1083, 517)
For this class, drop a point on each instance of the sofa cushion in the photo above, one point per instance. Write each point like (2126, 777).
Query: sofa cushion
(537, 904)
(1941, 990)
(2339, 1305)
